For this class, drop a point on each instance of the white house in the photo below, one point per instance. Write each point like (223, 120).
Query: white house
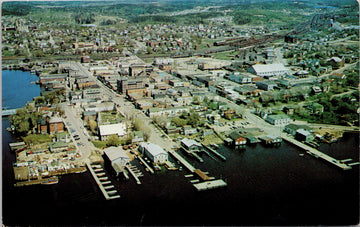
(268, 70)
(154, 152)
(114, 129)
(280, 119)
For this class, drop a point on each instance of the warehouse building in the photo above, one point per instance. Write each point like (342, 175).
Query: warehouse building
(154, 152)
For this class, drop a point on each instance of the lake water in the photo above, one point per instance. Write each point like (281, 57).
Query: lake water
(266, 186)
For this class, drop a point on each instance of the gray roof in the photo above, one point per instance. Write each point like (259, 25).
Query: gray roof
(114, 153)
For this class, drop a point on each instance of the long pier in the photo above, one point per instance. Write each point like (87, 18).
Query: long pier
(214, 152)
(318, 154)
(147, 166)
(8, 112)
(133, 174)
(107, 194)
(182, 160)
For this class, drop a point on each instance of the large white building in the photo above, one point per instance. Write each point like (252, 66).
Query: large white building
(118, 158)
(268, 70)
(105, 131)
(280, 119)
(154, 152)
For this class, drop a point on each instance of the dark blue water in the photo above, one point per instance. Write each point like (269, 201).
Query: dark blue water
(266, 186)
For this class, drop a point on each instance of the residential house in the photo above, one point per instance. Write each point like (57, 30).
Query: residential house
(56, 125)
(315, 108)
(138, 136)
(89, 115)
(188, 130)
(154, 152)
(42, 126)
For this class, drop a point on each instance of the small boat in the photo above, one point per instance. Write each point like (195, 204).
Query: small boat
(50, 181)
(301, 155)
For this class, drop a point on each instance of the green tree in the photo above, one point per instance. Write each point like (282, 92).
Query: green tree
(113, 141)
(92, 126)
(193, 119)
(178, 122)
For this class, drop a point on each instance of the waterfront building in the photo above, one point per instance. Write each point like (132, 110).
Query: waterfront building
(117, 157)
(154, 152)
(237, 139)
(280, 119)
(190, 144)
(304, 135)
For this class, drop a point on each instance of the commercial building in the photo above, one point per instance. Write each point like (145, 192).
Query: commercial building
(266, 85)
(117, 158)
(280, 119)
(105, 131)
(154, 152)
(190, 144)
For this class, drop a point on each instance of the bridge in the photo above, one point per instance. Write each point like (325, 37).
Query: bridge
(8, 112)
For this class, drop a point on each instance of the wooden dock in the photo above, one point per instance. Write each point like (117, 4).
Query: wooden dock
(147, 166)
(210, 185)
(318, 154)
(182, 161)
(107, 194)
(214, 152)
(132, 172)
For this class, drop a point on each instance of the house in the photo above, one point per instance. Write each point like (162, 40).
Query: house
(117, 157)
(338, 76)
(280, 119)
(188, 130)
(237, 139)
(105, 131)
(190, 145)
(138, 136)
(268, 70)
(92, 92)
(315, 108)
(56, 125)
(315, 90)
(336, 62)
(89, 115)
(42, 126)
(304, 135)
(288, 110)
(154, 152)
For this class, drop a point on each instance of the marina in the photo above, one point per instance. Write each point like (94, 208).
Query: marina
(144, 162)
(108, 195)
(318, 154)
(182, 161)
(222, 157)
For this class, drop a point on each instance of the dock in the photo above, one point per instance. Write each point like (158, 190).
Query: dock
(8, 112)
(214, 152)
(133, 173)
(193, 153)
(147, 166)
(107, 194)
(210, 185)
(318, 154)
(182, 161)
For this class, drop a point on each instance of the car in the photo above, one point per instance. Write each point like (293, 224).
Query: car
(77, 138)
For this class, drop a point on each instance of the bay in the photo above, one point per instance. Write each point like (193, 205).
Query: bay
(266, 186)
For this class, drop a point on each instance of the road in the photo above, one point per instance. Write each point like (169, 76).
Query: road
(126, 108)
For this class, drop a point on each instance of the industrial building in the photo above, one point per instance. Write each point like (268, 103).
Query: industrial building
(117, 157)
(268, 70)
